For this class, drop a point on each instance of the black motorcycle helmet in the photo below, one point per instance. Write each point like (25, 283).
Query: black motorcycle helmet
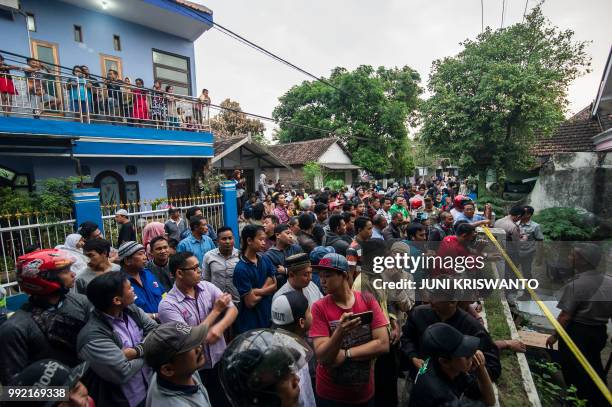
(256, 361)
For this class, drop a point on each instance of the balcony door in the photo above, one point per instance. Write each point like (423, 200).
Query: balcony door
(48, 54)
(109, 62)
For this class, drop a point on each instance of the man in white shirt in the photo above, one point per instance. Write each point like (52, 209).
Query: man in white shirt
(299, 272)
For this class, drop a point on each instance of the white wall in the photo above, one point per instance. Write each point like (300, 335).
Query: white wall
(334, 155)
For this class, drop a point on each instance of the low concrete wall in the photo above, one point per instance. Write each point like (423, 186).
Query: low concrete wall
(578, 180)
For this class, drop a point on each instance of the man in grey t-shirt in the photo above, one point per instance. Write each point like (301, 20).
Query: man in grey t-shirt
(174, 351)
(97, 251)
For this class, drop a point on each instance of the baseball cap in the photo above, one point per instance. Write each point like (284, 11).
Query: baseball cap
(171, 339)
(129, 248)
(49, 372)
(319, 252)
(288, 308)
(122, 212)
(334, 262)
(441, 339)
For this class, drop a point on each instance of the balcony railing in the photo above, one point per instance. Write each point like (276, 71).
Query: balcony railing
(43, 95)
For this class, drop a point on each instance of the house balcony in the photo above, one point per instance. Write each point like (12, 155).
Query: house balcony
(99, 118)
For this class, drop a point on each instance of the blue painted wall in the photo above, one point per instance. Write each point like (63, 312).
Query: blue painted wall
(151, 173)
(55, 21)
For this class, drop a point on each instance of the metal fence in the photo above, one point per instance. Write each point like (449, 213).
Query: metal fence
(47, 230)
(41, 94)
(20, 230)
(143, 213)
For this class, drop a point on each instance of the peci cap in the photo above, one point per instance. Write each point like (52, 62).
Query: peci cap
(297, 261)
(122, 212)
(129, 248)
(288, 308)
(334, 262)
(441, 339)
(49, 372)
(171, 339)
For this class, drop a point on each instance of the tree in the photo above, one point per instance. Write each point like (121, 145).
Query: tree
(232, 122)
(367, 109)
(491, 100)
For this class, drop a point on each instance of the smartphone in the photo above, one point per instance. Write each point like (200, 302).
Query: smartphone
(366, 317)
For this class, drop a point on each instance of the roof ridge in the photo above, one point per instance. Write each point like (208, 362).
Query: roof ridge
(305, 141)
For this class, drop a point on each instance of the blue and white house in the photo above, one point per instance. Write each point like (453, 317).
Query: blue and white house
(132, 143)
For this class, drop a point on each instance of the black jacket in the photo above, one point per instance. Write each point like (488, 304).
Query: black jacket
(24, 341)
(423, 316)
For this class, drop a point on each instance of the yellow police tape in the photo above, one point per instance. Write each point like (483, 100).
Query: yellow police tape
(560, 330)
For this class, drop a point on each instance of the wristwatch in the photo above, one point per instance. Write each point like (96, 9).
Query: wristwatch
(347, 354)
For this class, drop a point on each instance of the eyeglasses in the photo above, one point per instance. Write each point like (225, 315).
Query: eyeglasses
(194, 268)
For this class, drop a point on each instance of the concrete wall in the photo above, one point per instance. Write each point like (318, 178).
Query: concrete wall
(578, 180)
(55, 21)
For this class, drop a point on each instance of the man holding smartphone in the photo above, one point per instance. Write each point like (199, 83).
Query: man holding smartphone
(349, 331)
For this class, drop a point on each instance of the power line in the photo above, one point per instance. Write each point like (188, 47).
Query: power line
(525, 11)
(503, 11)
(481, 16)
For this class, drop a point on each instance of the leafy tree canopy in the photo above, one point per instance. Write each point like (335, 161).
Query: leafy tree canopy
(368, 110)
(232, 122)
(490, 101)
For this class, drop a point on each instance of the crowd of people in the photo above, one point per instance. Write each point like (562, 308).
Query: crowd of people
(110, 99)
(289, 319)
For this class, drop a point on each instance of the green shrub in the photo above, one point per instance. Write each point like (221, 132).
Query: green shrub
(334, 184)
(566, 224)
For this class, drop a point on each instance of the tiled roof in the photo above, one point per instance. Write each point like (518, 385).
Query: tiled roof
(574, 135)
(302, 152)
(194, 6)
(222, 144)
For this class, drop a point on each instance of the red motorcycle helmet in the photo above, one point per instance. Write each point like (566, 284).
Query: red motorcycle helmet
(416, 203)
(459, 201)
(37, 271)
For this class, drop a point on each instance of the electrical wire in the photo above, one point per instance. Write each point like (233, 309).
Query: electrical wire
(525, 11)
(481, 16)
(503, 12)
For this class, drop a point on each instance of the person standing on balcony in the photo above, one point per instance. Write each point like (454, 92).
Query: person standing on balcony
(112, 94)
(127, 232)
(159, 105)
(140, 111)
(127, 100)
(203, 107)
(173, 120)
(77, 87)
(198, 243)
(41, 94)
(94, 91)
(7, 87)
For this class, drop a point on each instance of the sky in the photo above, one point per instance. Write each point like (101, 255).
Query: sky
(319, 35)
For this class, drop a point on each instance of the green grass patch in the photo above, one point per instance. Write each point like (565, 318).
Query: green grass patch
(510, 384)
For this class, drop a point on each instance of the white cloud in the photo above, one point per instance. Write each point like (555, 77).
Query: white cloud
(320, 35)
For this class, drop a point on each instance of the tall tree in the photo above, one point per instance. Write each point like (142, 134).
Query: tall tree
(490, 101)
(232, 122)
(368, 109)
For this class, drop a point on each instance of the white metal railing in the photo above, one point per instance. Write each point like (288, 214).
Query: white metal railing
(43, 94)
(20, 230)
(145, 212)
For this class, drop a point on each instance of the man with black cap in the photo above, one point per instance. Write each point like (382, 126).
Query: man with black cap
(586, 310)
(54, 373)
(175, 352)
(443, 308)
(291, 312)
(299, 271)
(455, 368)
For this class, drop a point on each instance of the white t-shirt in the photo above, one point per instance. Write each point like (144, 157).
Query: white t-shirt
(311, 292)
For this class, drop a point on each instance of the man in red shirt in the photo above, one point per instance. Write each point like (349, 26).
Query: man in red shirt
(455, 246)
(345, 345)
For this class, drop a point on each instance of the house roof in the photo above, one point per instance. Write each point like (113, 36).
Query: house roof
(224, 146)
(301, 152)
(574, 135)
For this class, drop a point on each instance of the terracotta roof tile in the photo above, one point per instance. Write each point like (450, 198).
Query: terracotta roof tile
(302, 152)
(574, 135)
(222, 144)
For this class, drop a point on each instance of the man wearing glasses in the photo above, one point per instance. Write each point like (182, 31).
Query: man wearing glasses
(195, 302)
